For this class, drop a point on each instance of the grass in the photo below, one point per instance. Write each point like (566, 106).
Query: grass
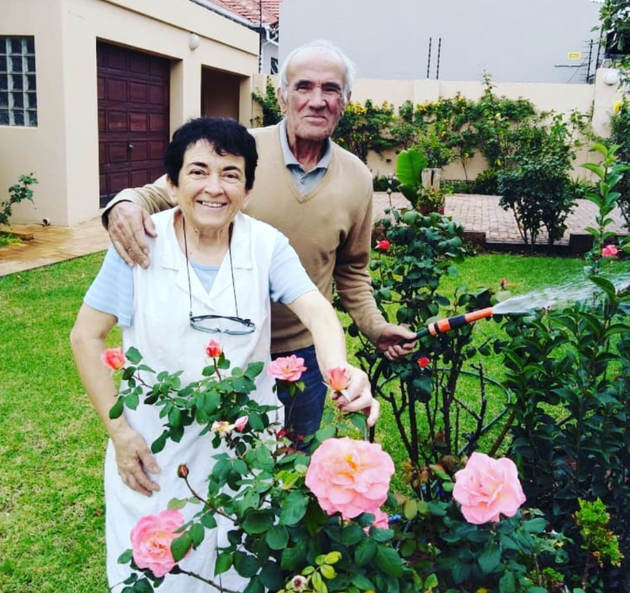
(52, 444)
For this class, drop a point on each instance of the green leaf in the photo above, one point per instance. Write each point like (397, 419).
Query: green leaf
(352, 535)
(125, 557)
(258, 522)
(410, 509)
(175, 504)
(431, 582)
(197, 533)
(507, 584)
(359, 420)
(208, 521)
(328, 571)
(143, 586)
(133, 355)
(409, 166)
(461, 572)
(117, 409)
(365, 552)
(224, 562)
(158, 444)
(254, 369)
(180, 546)
(271, 576)
(174, 417)
(294, 508)
(388, 560)
(381, 535)
(277, 537)
(245, 564)
(606, 285)
(293, 557)
(490, 558)
(537, 525)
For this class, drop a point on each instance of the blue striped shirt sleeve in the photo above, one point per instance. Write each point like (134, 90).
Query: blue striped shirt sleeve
(112, 289)
(288, 279)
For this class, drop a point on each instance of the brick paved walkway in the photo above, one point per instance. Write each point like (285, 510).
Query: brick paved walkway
(483, 214)
(477, 213)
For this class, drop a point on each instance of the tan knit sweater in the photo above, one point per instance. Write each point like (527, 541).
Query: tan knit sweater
(330, 227)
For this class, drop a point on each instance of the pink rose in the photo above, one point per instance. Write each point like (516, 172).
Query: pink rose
(287, 368)
(113, 358)
(151, 541)
(383, 245)
(241, 423)
(487, 487)
(610, 251)
(213, 349)
(349, 477)
(338, 378)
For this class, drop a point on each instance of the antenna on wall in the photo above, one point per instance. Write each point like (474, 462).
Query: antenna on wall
(439, 53)
(429, 58)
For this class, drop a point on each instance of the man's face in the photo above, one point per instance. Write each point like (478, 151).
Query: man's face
(315, 99)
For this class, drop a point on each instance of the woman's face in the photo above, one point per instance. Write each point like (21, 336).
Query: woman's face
(211, 187)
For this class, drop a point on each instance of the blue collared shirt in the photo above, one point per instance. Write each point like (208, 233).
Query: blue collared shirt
(304, 181)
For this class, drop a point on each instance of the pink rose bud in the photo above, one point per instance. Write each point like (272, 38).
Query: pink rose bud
(287, 368)
(241, 423)
(113, 358)
(610, 251)
(423, 362)
(487, 488)
(338, 378)
(183, 471)
(383, 245)
(213, 349)
(349, 477)
(151, 541)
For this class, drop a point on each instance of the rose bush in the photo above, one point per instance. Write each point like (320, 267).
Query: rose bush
(287, 534)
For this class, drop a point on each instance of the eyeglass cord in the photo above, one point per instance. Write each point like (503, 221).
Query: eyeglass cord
(188, 267)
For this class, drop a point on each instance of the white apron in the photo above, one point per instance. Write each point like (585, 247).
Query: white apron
(162, 333)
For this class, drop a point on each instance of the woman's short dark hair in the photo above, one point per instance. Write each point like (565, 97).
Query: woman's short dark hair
(226, 137)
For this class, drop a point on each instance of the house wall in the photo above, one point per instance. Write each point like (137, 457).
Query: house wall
(597, 98)
(513, 40)
(63, 150)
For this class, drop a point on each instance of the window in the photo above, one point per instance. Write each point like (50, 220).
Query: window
(18, 88)
(274, 66)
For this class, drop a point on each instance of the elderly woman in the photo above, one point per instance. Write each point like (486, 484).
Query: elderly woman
(215, 269)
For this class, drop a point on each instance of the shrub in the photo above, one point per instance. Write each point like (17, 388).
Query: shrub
(17, 193)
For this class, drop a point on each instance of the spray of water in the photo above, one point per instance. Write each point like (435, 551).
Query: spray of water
(556, 296)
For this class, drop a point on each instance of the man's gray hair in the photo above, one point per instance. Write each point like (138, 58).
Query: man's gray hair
(323, 45)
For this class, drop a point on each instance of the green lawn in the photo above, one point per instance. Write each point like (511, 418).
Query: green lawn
(52, 444)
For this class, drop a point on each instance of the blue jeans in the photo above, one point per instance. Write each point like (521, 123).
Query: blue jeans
(303, 412)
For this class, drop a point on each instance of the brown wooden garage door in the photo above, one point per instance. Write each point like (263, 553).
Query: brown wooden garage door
(133, 118)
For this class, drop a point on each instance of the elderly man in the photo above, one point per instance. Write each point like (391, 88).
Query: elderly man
(316, 193)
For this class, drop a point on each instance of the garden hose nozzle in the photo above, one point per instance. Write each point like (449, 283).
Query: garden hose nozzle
(444, 325)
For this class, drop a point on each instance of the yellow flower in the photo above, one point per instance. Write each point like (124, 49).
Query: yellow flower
(499, 162)
(482, 590)
(617, 105)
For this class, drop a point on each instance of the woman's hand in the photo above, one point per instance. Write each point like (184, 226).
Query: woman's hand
(357, 395)
(132, 457)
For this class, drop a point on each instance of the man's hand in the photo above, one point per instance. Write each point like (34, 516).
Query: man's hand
(132, 456)
(127, 227)
(396, 341)
(357, 395)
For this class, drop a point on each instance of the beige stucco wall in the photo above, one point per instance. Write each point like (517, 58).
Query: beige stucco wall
(63, 150)
(559, 98)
